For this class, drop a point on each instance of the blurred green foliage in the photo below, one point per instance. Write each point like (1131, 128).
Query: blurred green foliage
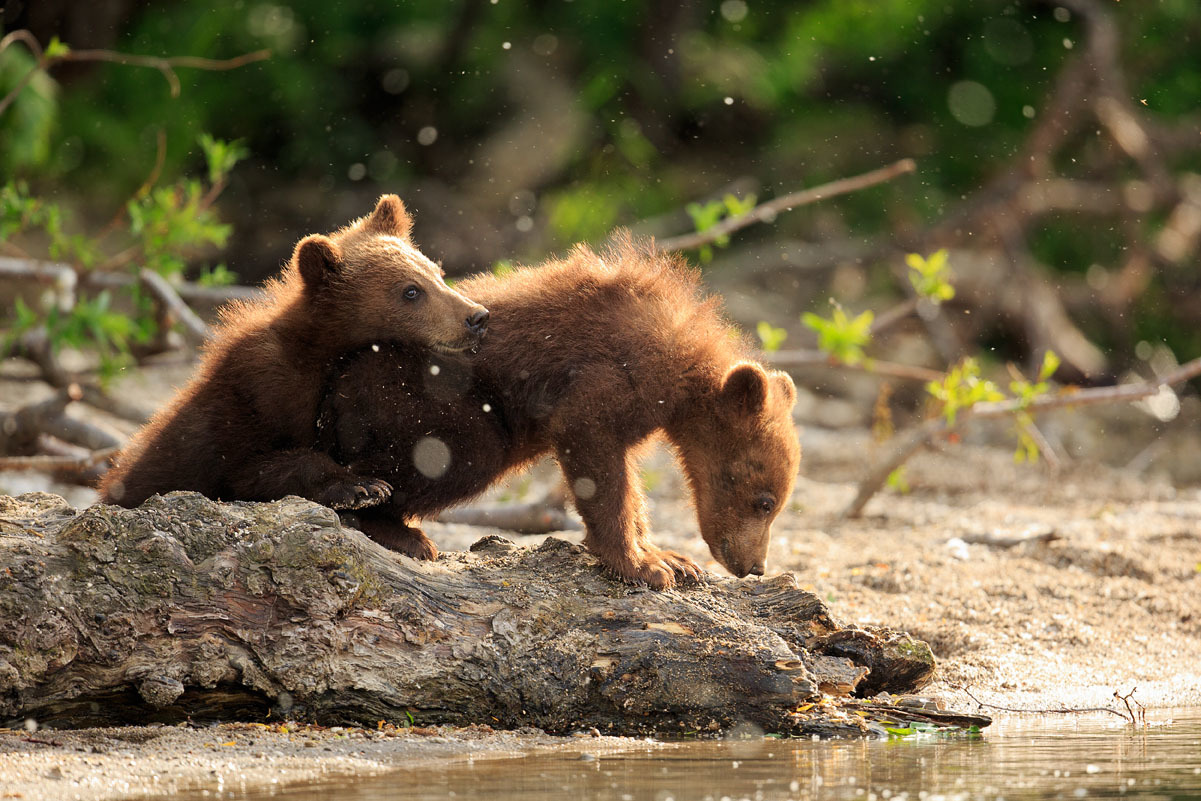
(159, 230)
(678, 101)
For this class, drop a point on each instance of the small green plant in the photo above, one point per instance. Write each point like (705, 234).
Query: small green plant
(841, 336)
(165, 226)
(962, 388)
(1025, 392)
(707, 215)
(897, 481)
(771, 337)
(930, 276)
(218, 275)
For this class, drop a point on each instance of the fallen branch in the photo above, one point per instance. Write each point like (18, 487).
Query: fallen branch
(71, 449)
(195, 328)
(924, 433)
(189, 609)
(192, 293)
(768, 211)
(1004, 543)
(20, 428)
(57, 464)
(520, 518)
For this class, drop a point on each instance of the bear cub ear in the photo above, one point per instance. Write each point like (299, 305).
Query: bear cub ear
(784, 384)
(745, 388)
(318, 259)
(389, 218)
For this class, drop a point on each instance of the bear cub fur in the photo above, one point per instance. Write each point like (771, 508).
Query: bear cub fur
(244, 427)
(586, 359)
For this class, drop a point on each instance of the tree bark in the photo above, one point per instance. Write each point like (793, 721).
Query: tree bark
(186, 608)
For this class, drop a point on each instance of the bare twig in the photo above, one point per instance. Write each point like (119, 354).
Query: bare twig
(195, 328)
(890, 317)
(792, 359)
(166, 66)
(768, 211)
(1060, 711)
(1141, 717)
(924, 433)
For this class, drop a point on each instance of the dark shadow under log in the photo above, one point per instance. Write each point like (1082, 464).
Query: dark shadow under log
(190, 608)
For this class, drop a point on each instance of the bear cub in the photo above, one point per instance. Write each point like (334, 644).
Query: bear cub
(244, 427)
(586, 359)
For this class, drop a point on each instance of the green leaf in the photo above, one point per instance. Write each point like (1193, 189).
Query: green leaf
(771, 337)
(1051, 363)
(930, 276)
(841, 336)
(961, 388)
(897, 481)
(56, 48)
(736, 207)
(221, 156)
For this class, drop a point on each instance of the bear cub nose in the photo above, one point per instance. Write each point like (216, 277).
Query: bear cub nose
(756, 570)
(477, 322)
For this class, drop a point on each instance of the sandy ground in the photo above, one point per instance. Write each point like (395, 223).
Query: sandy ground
(1036, 589)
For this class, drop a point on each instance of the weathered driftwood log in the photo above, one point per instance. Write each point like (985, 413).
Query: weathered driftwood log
(189, 608)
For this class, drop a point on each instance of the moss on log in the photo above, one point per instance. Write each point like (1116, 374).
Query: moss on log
(186, 608)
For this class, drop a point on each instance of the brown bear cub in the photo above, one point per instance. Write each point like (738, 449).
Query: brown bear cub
(244, 428)
(586, 359)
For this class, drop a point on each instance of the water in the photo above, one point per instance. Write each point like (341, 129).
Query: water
(1029, 758)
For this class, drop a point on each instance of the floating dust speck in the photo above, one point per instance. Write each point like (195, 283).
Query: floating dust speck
(431, 457)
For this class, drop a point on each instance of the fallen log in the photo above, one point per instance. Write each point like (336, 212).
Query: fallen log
(189, 609)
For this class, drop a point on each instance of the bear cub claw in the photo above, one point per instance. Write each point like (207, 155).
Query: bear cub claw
(358, 493)
(662, 570)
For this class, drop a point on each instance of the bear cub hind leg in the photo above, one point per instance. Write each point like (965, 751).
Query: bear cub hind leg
(396, 535)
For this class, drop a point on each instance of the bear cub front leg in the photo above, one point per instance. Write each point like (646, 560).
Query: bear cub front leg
(309, 474)
(602, 482)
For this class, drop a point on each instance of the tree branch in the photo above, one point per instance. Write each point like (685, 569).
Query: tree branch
(768, 211)
(790, 359)
(166, 66)
(924, 433)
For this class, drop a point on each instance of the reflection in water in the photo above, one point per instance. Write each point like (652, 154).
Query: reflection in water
(1060, 758)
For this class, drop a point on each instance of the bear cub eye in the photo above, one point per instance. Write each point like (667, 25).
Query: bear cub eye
(765, 504)
(411, 292)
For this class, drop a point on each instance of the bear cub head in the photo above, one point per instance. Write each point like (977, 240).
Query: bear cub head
(743, 471)
(369, 282)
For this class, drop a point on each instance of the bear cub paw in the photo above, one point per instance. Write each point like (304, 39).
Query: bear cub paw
(358, 493)
(661, 570)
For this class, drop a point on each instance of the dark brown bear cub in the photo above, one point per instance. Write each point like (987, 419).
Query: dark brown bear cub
(244, 427)
(586, 359)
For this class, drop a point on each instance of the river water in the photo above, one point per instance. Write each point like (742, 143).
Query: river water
(1019, 758)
